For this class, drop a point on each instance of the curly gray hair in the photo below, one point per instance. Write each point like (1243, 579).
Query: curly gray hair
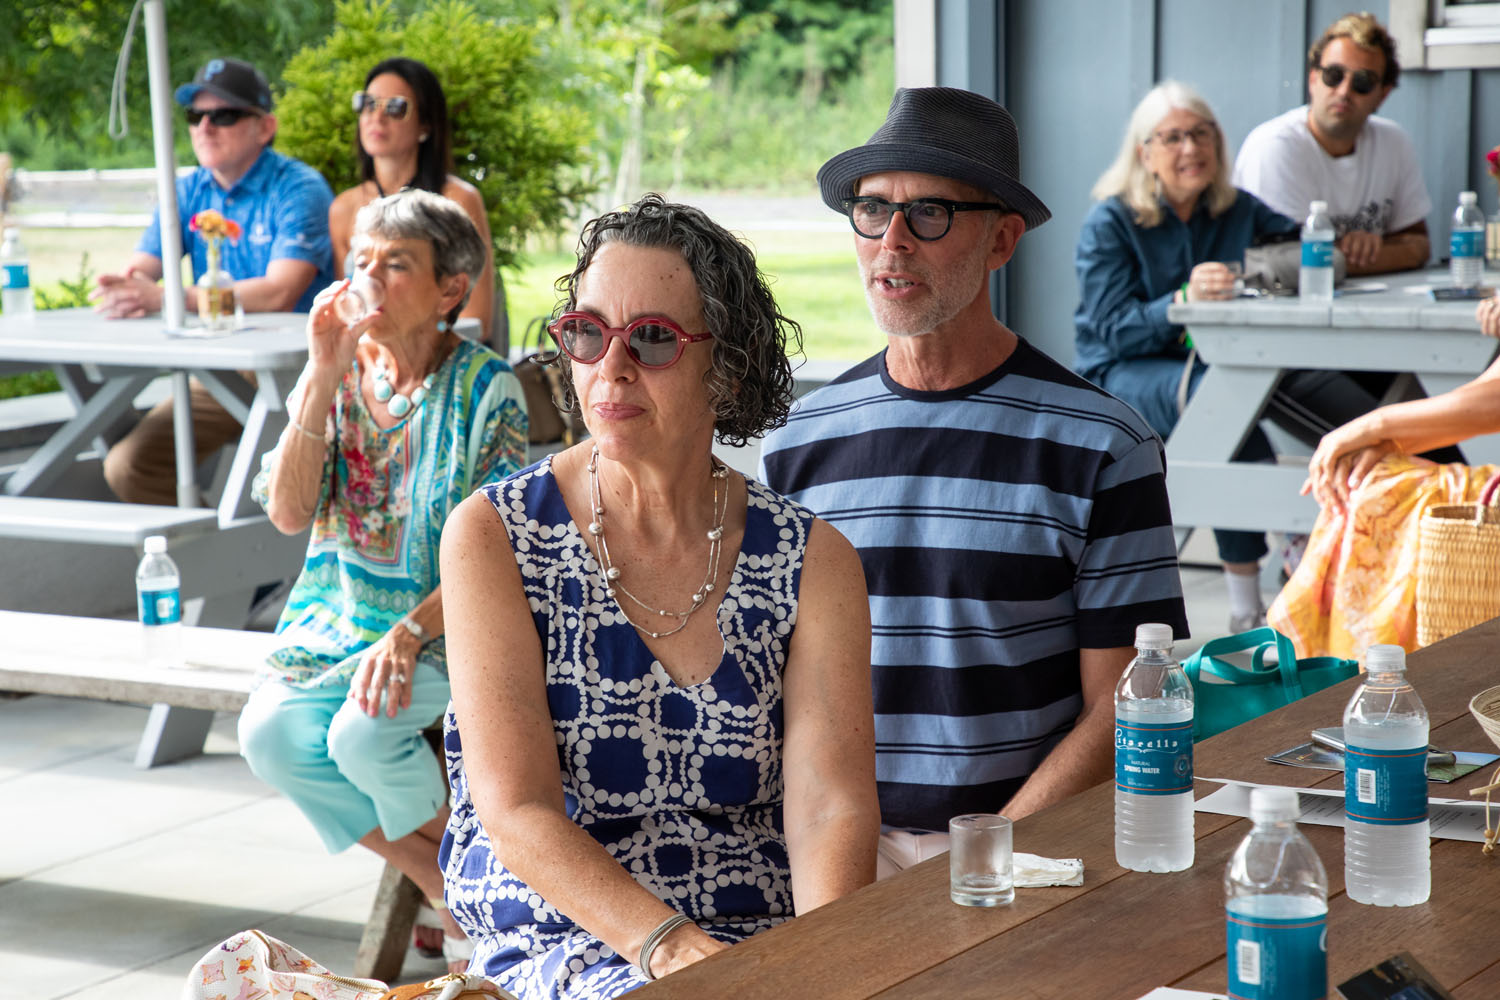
(749, 379)
(421, 215)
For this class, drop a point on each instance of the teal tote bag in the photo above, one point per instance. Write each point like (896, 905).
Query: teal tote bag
(1244, 694)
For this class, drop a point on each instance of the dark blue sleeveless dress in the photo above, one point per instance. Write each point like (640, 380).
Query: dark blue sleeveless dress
(683, 786)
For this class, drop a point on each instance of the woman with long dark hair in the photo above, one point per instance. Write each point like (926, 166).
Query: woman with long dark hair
(404, 140)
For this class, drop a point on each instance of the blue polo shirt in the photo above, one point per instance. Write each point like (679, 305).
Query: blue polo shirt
(281, 205)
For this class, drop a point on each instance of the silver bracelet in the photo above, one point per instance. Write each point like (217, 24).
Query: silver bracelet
(653, 939)
(410, 624)
(320, 438)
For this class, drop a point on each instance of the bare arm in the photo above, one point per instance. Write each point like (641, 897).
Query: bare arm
(481, 304)
(1346, 454)
(341, 225)
(832, 815)
(136, 290)
(1086, 755)
(385, 670)
(285, 280)
(498, 676)
(297, 470)
(1403, 250)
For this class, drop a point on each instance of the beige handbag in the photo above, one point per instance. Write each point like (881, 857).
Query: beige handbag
(255, 965)
(1458, 567)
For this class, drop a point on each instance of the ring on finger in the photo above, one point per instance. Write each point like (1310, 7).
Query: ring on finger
(399, 678)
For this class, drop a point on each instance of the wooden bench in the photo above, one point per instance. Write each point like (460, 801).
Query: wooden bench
(103, 659)
(221, 565)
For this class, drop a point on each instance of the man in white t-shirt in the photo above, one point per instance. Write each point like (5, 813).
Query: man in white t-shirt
(1335, 149)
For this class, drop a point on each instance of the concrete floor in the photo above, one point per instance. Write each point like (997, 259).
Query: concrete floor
(114, 881)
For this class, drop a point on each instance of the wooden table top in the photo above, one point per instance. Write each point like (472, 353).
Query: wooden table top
(1122, 934)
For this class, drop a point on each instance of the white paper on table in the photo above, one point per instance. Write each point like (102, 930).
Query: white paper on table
(1173, 993)
(1451, 819)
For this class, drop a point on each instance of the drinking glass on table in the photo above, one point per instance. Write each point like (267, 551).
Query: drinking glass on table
(981, 869)
(1237, 268)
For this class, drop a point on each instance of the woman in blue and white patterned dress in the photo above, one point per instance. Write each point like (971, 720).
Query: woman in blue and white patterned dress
(660, 741)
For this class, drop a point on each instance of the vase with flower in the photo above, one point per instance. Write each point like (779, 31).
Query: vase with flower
(218, 306)
(1492, 227)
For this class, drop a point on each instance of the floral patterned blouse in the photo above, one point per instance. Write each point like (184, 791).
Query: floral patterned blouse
(385, 493)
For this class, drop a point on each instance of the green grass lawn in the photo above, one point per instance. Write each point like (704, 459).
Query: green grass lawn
(813, 276)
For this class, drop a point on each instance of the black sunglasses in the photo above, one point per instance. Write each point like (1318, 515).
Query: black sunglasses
(395, 108)
(1361, 81)
(218, 117)
(928, 218)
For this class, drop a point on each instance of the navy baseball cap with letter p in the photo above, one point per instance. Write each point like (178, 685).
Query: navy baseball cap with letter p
(231, 80)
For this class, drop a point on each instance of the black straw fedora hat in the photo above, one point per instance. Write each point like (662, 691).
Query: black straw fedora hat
(944, 132)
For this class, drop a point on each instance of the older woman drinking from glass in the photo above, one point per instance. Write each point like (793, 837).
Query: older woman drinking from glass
(661, 734)
(1167, 225)
(393, 422)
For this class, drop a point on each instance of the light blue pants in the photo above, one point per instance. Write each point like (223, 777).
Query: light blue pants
(346, 771)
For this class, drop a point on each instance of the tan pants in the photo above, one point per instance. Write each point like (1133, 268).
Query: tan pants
(142, 466)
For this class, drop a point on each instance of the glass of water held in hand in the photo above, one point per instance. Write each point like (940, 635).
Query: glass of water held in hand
(980, 862)
(364, 294)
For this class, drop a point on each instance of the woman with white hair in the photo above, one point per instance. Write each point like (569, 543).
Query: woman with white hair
(1167, 223)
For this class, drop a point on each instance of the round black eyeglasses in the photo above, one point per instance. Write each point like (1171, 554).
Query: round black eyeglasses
(928, 218)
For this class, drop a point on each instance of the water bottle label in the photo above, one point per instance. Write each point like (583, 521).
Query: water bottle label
(1154, 758)
(1385, 787)
(1466, 243)
(17, 277)
(1317, 253)
(160, 607)
(1277, 958)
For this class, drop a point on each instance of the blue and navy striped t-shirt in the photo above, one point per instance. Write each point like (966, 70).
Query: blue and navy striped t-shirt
(1003, 526)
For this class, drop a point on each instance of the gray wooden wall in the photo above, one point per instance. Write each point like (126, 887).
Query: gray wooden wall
(1070, 71)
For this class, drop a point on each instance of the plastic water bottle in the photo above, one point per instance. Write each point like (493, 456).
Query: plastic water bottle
(1385, 786)
(1154, 758)
(16, 298)
(1315, 280)
(1276, 906)
(1466, 244)
(159, 599)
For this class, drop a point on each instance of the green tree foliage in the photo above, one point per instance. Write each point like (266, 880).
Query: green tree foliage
(516, 137)
(814, 44)
(57, 61)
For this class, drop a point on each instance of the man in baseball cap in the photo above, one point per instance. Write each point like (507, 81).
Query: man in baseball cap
(281, 260)
(1012, 518)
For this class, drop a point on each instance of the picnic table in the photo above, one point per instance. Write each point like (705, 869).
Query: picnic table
(1250, 343)
(1122, 933)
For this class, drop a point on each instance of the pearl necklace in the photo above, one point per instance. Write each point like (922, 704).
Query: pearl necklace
(398, 403)
(611, 573)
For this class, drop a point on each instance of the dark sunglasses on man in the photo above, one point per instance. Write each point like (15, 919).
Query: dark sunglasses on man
(218, 117)
(395, 108)
(928, 218)
(1361, 81)
(653, 341)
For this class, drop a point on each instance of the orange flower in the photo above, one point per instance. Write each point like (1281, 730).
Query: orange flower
(214, 226)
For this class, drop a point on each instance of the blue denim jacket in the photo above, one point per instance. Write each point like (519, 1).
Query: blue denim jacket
(1127, 274)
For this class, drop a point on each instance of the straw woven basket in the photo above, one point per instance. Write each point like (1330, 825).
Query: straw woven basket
(1486, 708)
(1458, 567)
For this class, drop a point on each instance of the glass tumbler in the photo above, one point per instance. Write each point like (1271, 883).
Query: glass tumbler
(980, 863)
(363, 296)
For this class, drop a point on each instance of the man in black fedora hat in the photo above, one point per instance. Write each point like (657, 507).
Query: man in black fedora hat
(1012, 518)
(281, 259)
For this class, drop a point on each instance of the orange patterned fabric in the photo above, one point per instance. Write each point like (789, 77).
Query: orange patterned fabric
(1357, 582)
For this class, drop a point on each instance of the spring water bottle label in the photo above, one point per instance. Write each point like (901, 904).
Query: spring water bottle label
(1317, 253)
(160, 607)
(1466, 243)
(1385, 787)
(1277, 958)
(17, 276)
(1154, 758)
